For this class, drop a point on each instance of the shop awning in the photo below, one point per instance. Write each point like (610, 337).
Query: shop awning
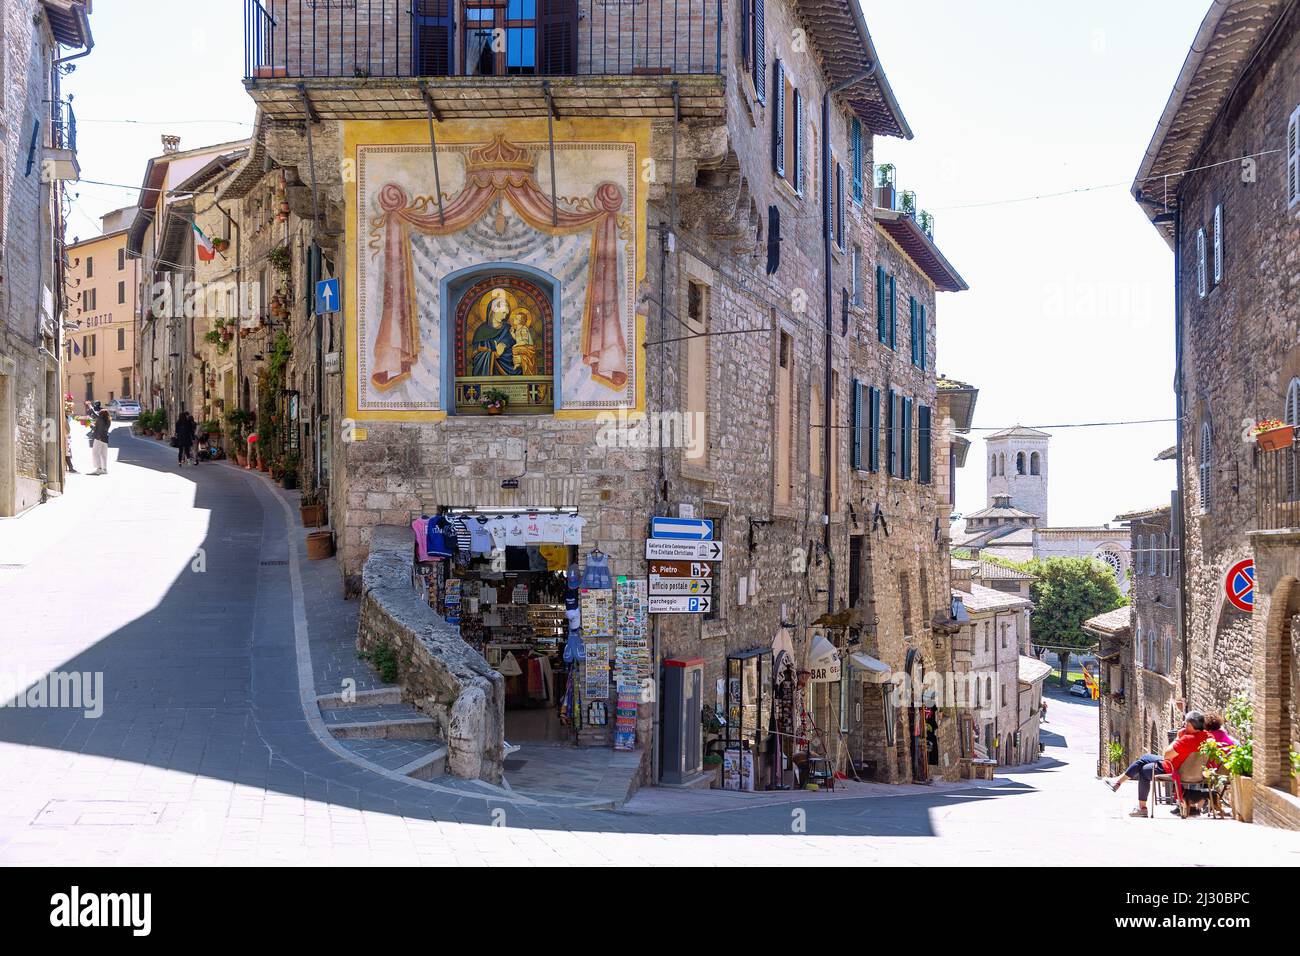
(872, 670)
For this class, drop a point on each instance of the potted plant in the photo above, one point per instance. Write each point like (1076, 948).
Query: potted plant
(1237, 761)
(311, 508)
(1115, 756)
(494, 401)
(1273, 435)
(289, 470)
(280, 259)
(320, 545)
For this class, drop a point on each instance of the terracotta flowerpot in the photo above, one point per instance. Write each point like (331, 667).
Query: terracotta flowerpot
(320, 545)
(313, 516)
(495, 409)
(1275, 439)
(1243, 799)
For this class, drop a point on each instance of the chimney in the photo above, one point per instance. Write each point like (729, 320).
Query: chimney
(170, 143)
(961, 579)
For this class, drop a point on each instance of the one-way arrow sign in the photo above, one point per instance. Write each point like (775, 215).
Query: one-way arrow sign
(667, 550)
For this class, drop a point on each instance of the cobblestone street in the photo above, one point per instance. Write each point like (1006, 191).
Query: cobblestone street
(209, 749)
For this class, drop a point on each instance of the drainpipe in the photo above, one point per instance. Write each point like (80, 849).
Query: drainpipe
(828, 400)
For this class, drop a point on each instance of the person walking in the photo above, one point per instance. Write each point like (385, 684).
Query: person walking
(185, 428)
(99, 442)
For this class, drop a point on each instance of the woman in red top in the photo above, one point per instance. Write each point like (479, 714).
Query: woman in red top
(1147, 766)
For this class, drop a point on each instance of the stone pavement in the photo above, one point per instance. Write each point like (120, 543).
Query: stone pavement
(173, 585)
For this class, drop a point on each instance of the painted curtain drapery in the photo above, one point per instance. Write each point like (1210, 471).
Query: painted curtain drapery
(497, 170)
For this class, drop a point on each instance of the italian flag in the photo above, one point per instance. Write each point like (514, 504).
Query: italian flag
(203, 245)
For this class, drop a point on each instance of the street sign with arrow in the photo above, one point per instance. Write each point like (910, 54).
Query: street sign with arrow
(669, 550)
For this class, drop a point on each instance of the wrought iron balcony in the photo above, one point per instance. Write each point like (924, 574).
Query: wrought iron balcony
(1278, 488)
(308, 39)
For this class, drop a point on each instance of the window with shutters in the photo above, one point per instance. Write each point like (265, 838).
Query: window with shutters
(924, 455)
(855, 142)
(788, 121)
(1201, 289)
(121, 259)
(753, 43)
(857, 424)
(778, 117)
(1218, 244)
(1291, 415)
(914, 329)
(923, 330)
(121, 340)
(892, 428)
(432, 37)
(1205, 468)
(839, 205)
(1293, 160)
(882, 305)
(121, 293)
(784, 416)
(89, 300)
(893, 314)
(873, 429)
(905, 439)
(817, 433)
(90, 267)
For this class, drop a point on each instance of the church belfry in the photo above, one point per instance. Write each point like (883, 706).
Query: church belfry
(1017, 469)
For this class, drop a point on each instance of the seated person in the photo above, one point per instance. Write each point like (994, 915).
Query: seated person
(1214, 727)
(1147, 766)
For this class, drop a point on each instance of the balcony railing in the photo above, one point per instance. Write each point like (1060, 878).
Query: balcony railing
(303, 39)
(1278, 485)
(63, 129)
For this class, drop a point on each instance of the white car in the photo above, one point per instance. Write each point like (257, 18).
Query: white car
(124, 409)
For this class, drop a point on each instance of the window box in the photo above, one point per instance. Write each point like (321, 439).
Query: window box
(1276, 438)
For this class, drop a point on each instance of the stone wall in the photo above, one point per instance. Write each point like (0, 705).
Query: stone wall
(1239, 354)
(439, 673)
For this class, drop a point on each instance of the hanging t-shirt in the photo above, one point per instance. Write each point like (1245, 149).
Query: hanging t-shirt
(480, 539)
(497, 529)
(533, 525)
(420, 526)
(573, 529)
(515, 531)
(553, 528)
(462, 534)
(439, 538)
(555, 555)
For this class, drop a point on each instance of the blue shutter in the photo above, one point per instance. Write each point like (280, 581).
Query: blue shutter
(880, 303)
(906, 438)
(873, 433)
(798, 143)
(857, 425)
(893, 314)
(839, 205)
(759, 50)
(924, 465)
(778, 117)
(857, 159)
(891, 433)
(924, 336)
(911, 303)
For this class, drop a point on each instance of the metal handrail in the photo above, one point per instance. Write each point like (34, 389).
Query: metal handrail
(1278, 487)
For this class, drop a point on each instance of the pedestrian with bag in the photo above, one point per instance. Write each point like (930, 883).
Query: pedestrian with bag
(184, 437)
(99, 442)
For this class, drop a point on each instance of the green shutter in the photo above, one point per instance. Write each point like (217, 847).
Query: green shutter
(911, 303)
(893, 314)
(880, 303)
(857, 425)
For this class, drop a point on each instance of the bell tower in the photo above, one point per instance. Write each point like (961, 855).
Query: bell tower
(1015, 466)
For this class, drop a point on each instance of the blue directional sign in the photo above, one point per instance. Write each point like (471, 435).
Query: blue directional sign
(327, 296)
(682, 529)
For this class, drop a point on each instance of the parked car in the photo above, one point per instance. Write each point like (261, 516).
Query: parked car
(1080, 689)
(124, 409)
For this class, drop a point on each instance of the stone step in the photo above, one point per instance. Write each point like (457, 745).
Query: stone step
(361, 698)
(387, 721)
(417, 759)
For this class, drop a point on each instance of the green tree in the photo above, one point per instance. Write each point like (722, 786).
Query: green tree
(1066, 592)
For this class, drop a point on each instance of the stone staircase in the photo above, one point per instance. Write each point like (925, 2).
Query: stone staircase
(377, 726)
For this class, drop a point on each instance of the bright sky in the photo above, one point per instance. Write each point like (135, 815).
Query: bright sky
(1069, 317)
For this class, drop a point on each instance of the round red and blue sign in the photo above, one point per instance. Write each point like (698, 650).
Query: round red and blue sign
(1240, 585)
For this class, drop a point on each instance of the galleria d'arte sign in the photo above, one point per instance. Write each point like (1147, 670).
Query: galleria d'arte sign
(496, 290)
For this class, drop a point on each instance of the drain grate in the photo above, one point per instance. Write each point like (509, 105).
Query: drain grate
(274, 564)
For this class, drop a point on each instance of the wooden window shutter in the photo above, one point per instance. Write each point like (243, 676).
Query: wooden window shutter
(797, 141)
(880, 303)
(925, 335)
(1293, 159)
(758, 63)
(778, 117)
(891, 430)
(893, 313)
(839, 205)
(558, 37)
(1200, 263)
(1218, 244)
(911, 321)
(873, 429)
(857, 159)
(923, 444)
(1205, 466)
(857, 425)
(905, 440)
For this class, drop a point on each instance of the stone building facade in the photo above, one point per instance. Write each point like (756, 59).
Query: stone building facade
(38, 133)
(1233, 224)
(669, 224)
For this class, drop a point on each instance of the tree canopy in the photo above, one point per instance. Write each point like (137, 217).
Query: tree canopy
(1066, 592)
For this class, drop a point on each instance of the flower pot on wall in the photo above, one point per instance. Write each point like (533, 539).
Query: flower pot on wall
(1275, 439)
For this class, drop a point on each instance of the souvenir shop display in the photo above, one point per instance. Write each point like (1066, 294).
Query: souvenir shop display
(555, 625)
